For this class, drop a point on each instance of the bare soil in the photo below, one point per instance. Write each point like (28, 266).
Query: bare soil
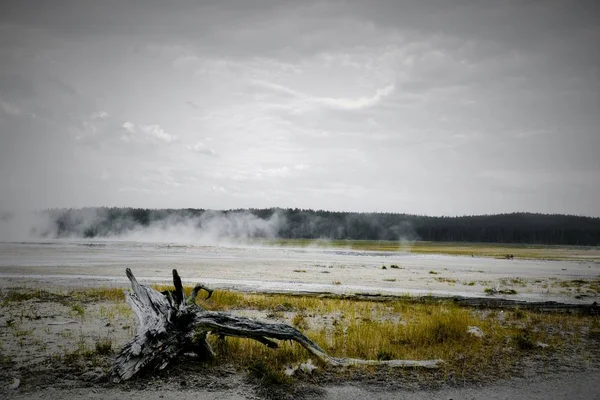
(49, 348)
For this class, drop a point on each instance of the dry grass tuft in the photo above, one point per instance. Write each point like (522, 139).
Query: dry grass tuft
(103, 346)
(493, 250)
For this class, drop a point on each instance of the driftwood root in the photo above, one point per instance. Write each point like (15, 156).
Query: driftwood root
(170, 324)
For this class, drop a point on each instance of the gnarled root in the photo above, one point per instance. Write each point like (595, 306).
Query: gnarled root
(169, 324)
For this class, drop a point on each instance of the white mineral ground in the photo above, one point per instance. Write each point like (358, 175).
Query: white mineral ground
(80, 264)
(285, 269)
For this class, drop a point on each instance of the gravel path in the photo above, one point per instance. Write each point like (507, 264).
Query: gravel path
(570, 386)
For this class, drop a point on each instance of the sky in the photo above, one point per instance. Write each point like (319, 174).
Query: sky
(446, 107)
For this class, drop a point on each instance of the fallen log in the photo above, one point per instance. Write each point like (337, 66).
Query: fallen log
(170, 324)
(539, 306)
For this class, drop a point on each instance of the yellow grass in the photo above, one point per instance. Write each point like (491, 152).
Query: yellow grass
(403, 328)
(493, 250)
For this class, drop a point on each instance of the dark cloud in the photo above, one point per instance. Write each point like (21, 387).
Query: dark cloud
(413, 106)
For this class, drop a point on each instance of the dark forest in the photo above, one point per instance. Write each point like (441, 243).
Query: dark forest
(526, 228)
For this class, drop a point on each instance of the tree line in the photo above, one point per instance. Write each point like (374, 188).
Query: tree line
(529, 228)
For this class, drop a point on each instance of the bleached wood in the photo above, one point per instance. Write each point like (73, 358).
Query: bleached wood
(169, 324)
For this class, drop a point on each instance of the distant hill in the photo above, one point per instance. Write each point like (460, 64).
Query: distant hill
(309, 224)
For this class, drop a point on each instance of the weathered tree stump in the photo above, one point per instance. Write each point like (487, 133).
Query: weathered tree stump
(170, 324)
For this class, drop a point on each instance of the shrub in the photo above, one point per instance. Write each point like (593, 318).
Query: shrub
(103, 346)
(300, 322)
(267, 376)
(523, 340)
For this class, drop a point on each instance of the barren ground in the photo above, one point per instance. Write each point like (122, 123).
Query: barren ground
(38, 333)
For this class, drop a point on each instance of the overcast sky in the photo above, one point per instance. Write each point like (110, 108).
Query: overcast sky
(431, 107)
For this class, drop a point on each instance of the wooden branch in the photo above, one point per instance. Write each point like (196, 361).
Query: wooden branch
(178, 294)
(541, 306)
(197, 288)
(228, 325)
(169, 325)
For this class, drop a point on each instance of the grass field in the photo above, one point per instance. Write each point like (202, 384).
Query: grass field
(494, 250)
(406, 328)
(402, 328)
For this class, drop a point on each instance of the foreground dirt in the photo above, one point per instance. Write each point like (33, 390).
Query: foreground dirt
(571, 385)
(48, 349)
(574, 387)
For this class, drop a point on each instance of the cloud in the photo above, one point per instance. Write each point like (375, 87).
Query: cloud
(99, 115)
(10, 109)
(157, 132)
(165, 176)
(260, 174)
(129, 127)
(360, 102)
(340, 103)
(526, 134)
(533, 179)
(133, 189)
(201, 148)
(152, 131)
(193, 105)
(276, 172)
(179, 55)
